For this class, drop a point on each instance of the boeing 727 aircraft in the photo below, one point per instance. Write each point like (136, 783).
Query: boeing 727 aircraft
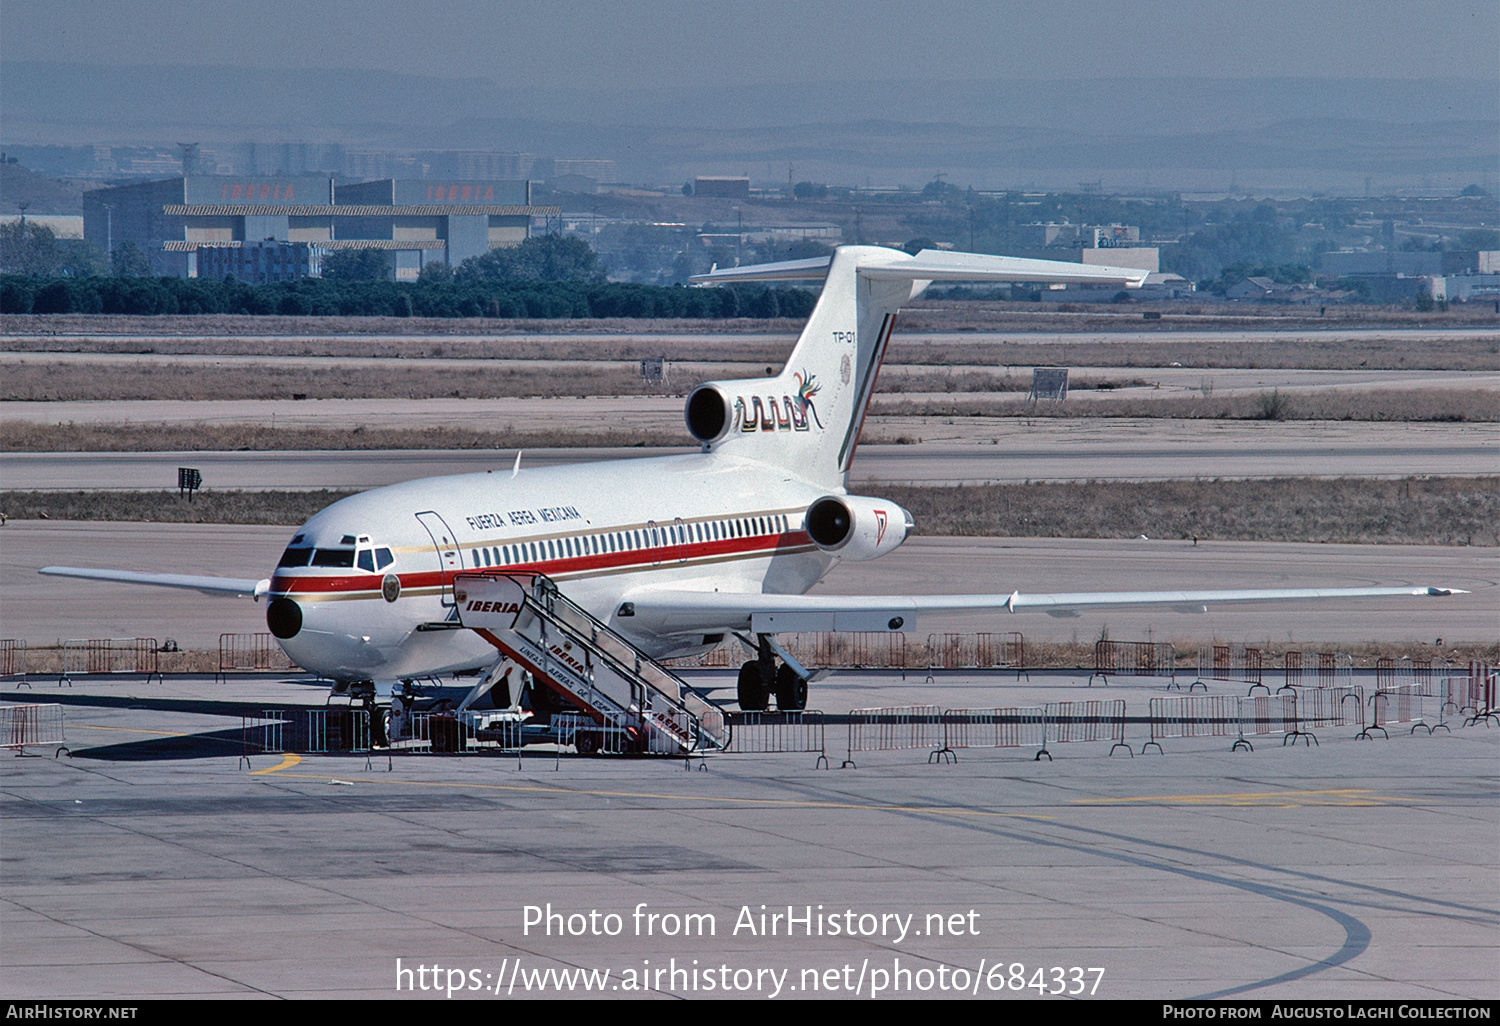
(673, 553)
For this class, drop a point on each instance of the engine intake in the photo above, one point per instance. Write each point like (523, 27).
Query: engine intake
(707, 414)
(856, 527)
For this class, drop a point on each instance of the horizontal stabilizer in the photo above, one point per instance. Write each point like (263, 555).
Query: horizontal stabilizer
(880, 264)
(207, 585)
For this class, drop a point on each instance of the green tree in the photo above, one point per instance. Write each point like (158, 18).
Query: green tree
(540, 258)
(129, 262)
(356, 265)
(28, 248)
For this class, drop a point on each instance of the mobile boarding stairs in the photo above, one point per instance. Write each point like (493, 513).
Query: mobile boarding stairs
(635, 704)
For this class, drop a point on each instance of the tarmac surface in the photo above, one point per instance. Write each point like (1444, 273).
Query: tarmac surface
(950, 451)
(153, 862)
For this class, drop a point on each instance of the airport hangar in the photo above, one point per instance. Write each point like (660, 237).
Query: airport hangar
(276, 228)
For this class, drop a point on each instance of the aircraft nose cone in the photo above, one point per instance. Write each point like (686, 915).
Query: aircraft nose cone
(284, 617)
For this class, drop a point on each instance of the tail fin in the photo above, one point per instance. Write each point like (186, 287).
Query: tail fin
(808, 418)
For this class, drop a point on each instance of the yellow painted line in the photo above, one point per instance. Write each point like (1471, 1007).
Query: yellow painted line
(1342, 796)
(781, 803)
(128, 730)
(287, 762)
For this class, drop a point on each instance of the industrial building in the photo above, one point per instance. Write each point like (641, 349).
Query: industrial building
(415, 222)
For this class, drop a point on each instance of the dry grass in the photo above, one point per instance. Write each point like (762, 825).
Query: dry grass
(25, 436)
(923, 315)
(74, 381)
(1207, 314)
(1476, 405)
(287, 509)
(1446, 342)
(1416, 511)
(37, 381)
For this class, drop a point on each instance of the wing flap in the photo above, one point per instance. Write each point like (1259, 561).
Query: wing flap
(207, 585)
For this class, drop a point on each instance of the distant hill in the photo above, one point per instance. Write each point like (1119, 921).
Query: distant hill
(1166, 133)
(41, 195)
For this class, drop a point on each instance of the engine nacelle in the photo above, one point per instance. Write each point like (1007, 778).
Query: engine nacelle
(708, 413)
(855, 526)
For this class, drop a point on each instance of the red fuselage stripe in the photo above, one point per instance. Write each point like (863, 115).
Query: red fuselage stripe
(661, 555)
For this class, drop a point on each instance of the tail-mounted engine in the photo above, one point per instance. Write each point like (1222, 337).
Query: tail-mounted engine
(856, 527)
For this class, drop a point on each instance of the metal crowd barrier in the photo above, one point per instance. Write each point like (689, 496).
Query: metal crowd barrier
(978, 652)
(1086, 721)
(248, 653)
(1203, 716)
(1402, 703)
(885, 650)
(22, 725)
(893, 728)
(1473, 693)
(849, 650)
(1234, 663)
(1329, 707)
(109, 655)
(1406, 672)
(13, 659)
(304, 730)
(1134, 659)
(1323, 670)
(991, 728)
(764, 733)
(1262, 715)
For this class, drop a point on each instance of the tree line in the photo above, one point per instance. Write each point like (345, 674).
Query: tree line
(454, 297)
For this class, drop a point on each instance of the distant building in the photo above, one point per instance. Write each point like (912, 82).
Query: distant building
(1409, 263)
(721, 187)
(1079, 236)
(1468, 288)
(261, 262)
(1272, 291)
(418, 222)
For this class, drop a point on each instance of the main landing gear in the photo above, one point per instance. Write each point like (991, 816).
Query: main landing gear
(762, 677)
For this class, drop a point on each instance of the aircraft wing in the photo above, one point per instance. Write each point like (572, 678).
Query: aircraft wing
(207, 585)
(669, 612)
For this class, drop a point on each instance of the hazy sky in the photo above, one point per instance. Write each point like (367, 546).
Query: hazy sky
(624, 44)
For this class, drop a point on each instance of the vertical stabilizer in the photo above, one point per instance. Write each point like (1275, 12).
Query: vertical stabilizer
(808, 418)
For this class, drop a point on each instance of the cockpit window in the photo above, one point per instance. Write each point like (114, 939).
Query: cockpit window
(333, 557)
(295, 556)
(366, 561)
(383, 558)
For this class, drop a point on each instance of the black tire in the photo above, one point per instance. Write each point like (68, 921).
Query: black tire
(791, 689)
(586, 743)
(749, 690)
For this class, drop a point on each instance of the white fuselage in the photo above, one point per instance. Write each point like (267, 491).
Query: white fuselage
(374, 584)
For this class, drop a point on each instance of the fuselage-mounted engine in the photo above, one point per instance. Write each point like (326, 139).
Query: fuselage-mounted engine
(856, 526)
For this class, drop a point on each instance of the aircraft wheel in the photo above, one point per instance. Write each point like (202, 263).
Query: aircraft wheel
(586, 742)
(749, 690)
(791, 689)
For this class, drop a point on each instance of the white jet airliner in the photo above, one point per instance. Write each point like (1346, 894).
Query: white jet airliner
(673, 552)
